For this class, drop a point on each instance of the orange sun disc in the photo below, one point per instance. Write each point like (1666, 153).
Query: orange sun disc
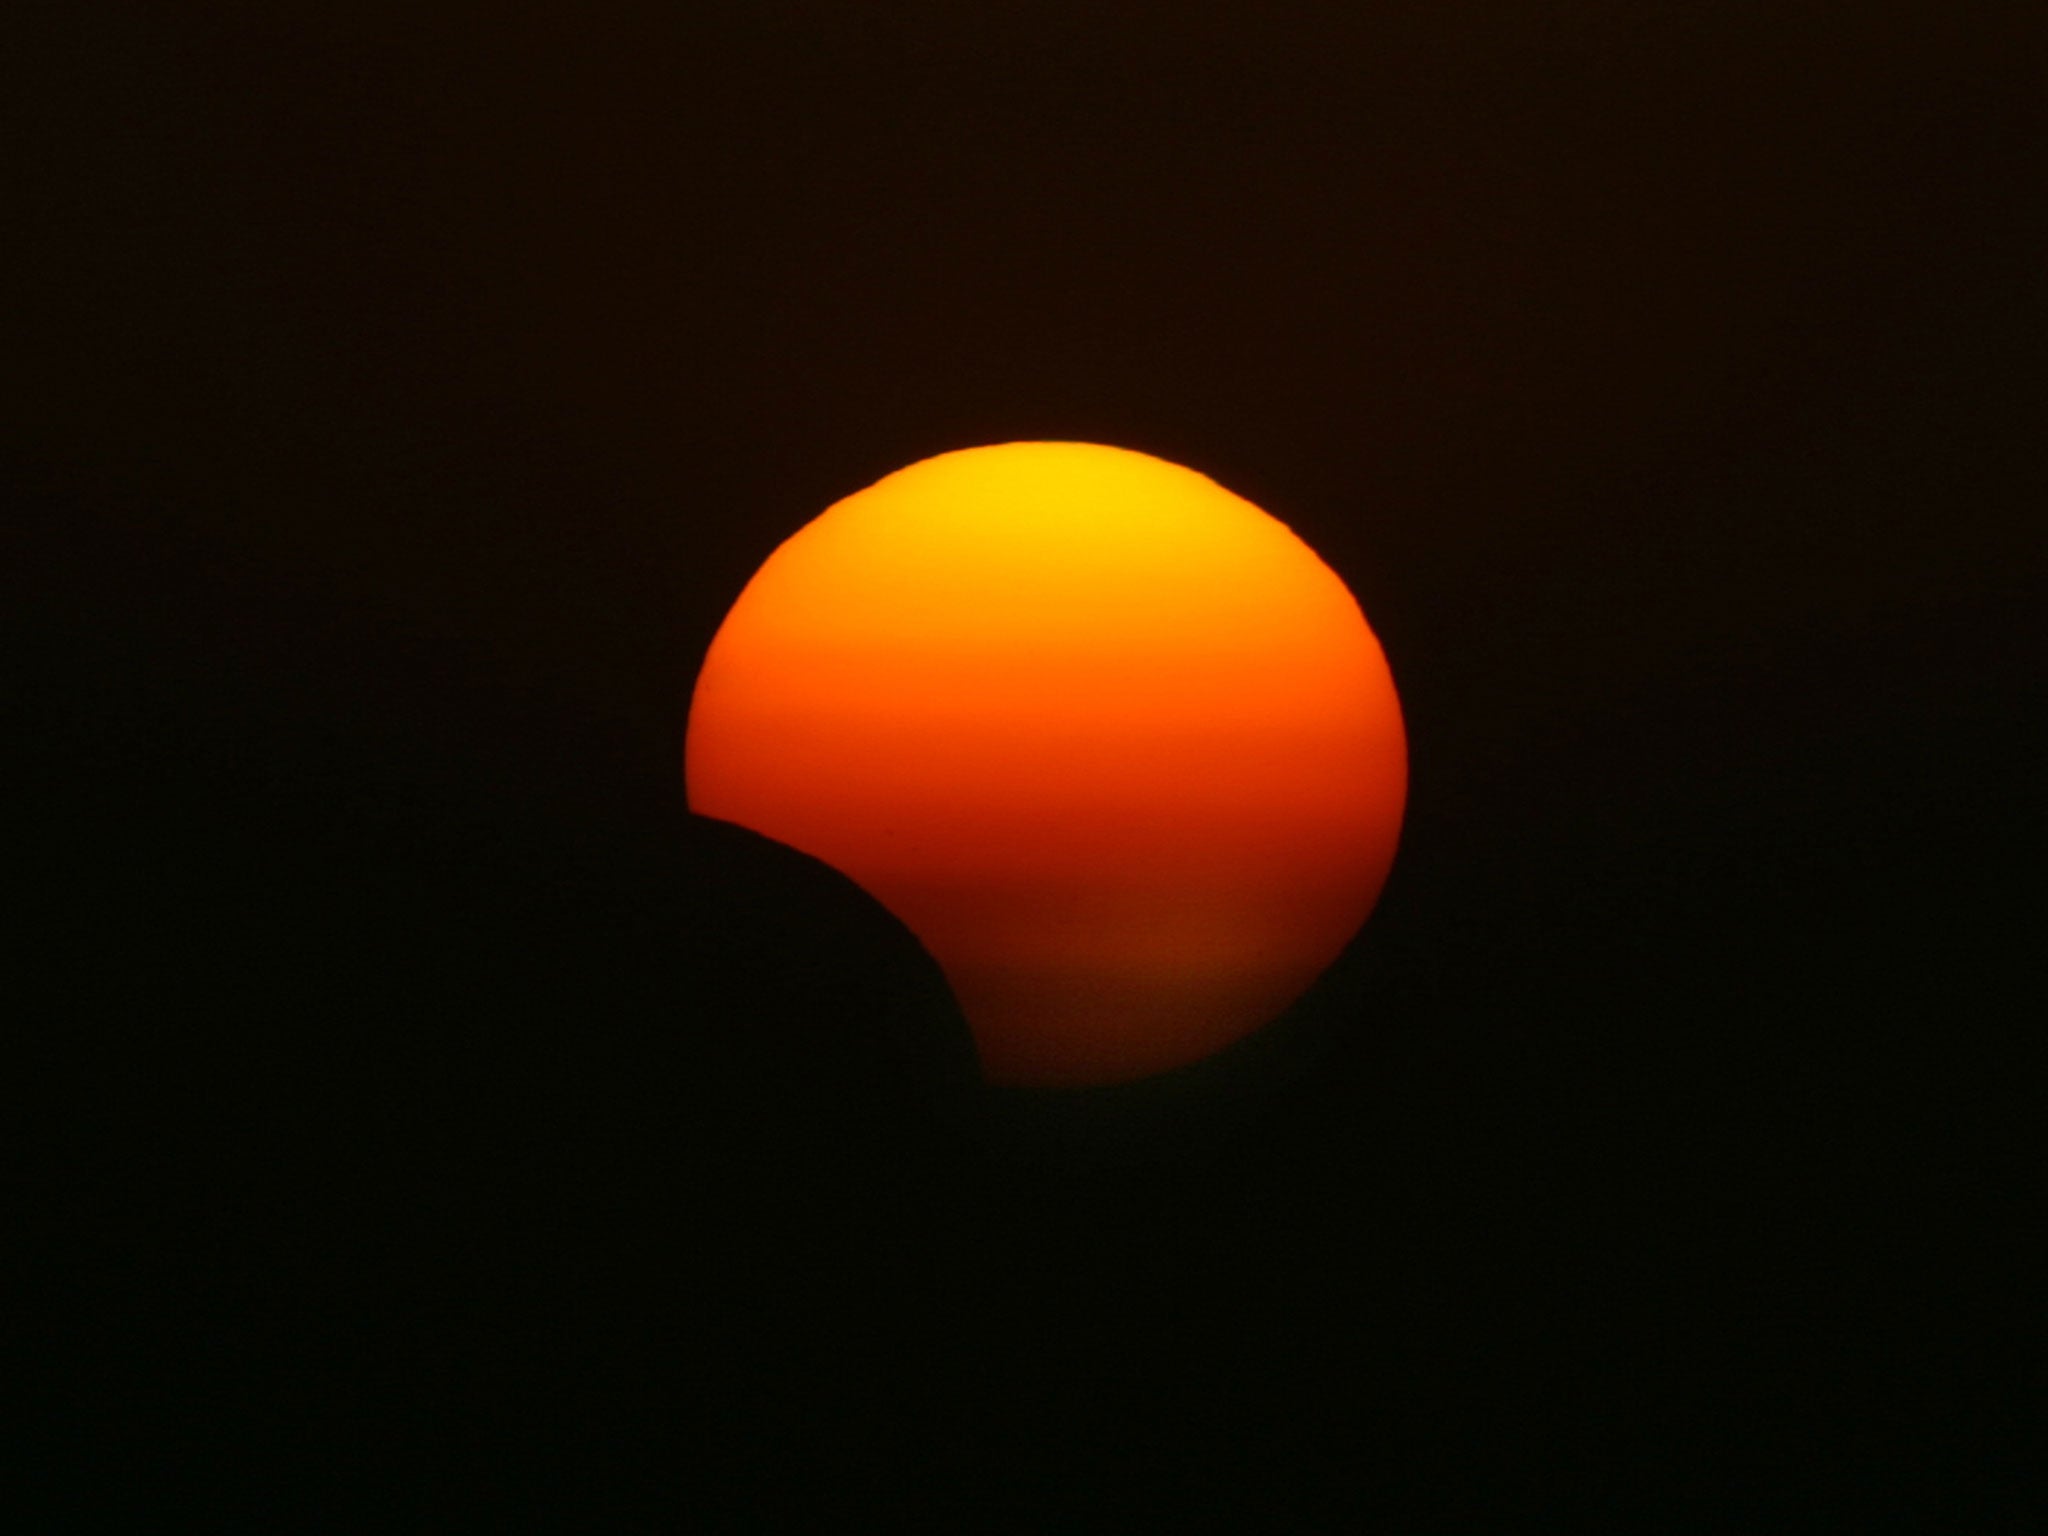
(1110, 740)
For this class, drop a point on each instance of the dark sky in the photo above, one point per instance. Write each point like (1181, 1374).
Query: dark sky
(426, 1125)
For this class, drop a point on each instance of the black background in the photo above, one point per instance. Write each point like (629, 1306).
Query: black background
(426, 1125)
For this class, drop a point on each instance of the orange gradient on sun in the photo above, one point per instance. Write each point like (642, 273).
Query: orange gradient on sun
(1111, 741)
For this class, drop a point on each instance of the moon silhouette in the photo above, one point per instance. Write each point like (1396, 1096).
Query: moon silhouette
(1114, 743)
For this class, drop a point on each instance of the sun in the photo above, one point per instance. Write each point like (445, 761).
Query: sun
(1115, 745)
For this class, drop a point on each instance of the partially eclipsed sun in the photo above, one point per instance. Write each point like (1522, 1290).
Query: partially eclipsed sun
(1111, 741)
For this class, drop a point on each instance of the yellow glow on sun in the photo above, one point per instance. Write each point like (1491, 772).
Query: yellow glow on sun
(1115, 744)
